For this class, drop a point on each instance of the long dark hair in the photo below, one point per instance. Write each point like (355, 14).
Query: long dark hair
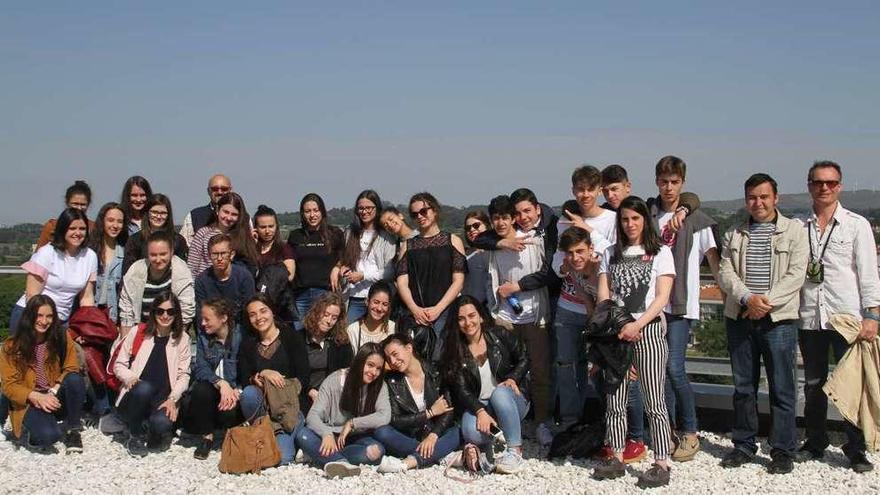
(22, 348)
(353, 390)
(324, 226)
(96, 240)
(479, 215)
(176, 325)
(146, 228)
(650, 239)
(67, 217)
(352, 252)
(277, 244)
(242, 241)
(125, 199)
(455, 350)
(379, 287)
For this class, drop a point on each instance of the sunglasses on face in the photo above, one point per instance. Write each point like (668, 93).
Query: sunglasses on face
(366, 209)
(169, 311)
(830, 184)
(472, 226)
(219, 189)
(420, 213)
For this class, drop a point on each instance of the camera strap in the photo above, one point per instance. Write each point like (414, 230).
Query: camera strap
(822, 247)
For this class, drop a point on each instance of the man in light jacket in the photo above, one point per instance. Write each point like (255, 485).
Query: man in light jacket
(841, 278)
(762, 268)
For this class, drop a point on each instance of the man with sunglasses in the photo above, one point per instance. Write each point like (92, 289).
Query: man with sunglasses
(841, 278)
(218, 185)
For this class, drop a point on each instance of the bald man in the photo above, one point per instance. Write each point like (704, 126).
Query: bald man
(218, 185)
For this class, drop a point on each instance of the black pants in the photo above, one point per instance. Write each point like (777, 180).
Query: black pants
(202, 416)
(814, 346)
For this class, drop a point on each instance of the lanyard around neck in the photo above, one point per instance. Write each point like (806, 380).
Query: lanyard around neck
(819, 241)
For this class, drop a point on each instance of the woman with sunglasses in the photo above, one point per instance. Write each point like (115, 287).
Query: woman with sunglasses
(637, 273)
(135, 193)
(230, 217)
(476, 282)
(159, 217)
(317, 246)
(154, 377)
(430, 271)
(367, 256)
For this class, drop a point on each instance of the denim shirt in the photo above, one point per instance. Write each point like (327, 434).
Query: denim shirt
(209, 352)
(112, 275)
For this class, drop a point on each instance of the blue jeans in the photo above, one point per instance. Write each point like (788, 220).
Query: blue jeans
(635, 412)
(357, 308)
(508, 408)
(304, 300)
(750, 341)
(42, 427)
(253, 405)
(355, 450)
(14, 318)
(679, 395)
(400, 445)
(569, 366)
(141, 405)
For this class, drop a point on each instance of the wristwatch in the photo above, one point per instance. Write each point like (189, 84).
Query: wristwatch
(871, 314)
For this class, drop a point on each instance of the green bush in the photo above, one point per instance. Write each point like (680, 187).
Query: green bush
(711, 338)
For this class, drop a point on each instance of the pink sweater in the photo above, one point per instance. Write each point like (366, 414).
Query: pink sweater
(177, 352)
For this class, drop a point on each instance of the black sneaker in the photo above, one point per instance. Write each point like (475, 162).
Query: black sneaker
(609, 470)
(137, 446)
(73, 442)
(860, 464)
(807, 453)
(781, 464)
(204, 449)
(735, 459)
(158, 443)
(654, 477)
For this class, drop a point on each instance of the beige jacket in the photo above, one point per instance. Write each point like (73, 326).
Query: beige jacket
(854, 386)
(788, 267)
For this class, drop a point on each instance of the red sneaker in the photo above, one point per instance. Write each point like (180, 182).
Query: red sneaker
(634, 452)
(604, 453)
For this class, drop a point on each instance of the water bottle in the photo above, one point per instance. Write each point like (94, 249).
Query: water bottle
(514, 303)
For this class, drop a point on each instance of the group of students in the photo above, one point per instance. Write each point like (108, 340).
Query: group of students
(394, 346)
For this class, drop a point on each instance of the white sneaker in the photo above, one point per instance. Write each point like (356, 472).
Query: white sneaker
(509, 462)
(392, 464)
(341, 469)
(544, 435)
(301, 457)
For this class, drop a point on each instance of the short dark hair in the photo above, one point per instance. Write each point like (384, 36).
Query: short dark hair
(614, 173)
(586, 174)
(670, 165)
(756, 180)
(78, 187)
(501, 205)
(572, 237)
(217, 239)
(824, 164)
(523, 194)
(67, 217)
(161, 236)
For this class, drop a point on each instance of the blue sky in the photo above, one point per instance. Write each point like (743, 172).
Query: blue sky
(466, 99)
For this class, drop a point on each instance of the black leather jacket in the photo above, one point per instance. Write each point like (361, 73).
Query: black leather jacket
(602, 346)
(508, 359)
(405, 415)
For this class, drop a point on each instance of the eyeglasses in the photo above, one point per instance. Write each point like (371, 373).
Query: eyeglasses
(830, 184)
(159, 213)
(169, 311)
(366, 209)
(220, 189)
(473, 226)
(420, 213)
(220, 255)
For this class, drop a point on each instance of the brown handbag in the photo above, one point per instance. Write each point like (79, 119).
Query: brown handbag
(250, 449)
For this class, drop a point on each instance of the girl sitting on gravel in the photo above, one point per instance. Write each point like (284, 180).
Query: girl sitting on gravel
(327, 343)
(41, 379)
(375, 325)
(154, 375)
(213, 402)
(486, 367)
(422, 429)
(350, 405)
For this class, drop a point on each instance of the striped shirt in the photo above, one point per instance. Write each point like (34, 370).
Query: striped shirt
(40, 355)
(153, 288)
(758, 256)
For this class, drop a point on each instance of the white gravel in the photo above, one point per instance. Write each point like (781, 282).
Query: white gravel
(105, 467)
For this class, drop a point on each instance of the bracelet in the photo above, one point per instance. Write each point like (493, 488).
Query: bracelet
(870, 315)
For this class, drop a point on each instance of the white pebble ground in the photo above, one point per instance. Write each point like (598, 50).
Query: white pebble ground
(105, 467)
